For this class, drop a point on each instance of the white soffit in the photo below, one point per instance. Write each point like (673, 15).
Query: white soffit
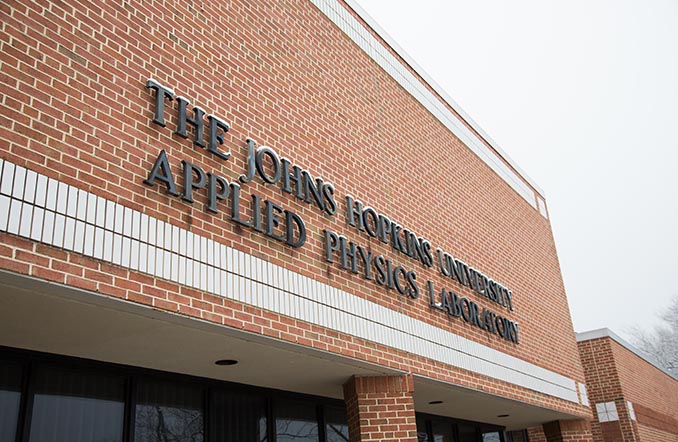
(55, 213)
(54, 318)
(355, 30)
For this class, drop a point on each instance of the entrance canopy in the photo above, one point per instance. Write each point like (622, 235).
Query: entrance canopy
(53, 318)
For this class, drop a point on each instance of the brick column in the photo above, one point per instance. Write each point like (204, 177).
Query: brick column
(380, 408)
(536, 434)
(578, 430)
(627, 427)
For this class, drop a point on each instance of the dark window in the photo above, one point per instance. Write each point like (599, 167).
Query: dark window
(168, 412)
(442, 431)
(516, 436)
(295, 421)
(468, 433)
(336, 424)
(422, 431)
(432, 428)
(491, 436)
(238, 417)
(69, 400)
(10, 399)
(77, 407)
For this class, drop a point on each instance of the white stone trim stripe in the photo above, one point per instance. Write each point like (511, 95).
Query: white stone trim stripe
(355, 30)
(583, 395)
(542, 206)
(607, 412)
(48, 211)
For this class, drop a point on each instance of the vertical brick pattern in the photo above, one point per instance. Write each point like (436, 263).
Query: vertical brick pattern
(381, 408)
(568, 431)
(602, 383)
(627, 426)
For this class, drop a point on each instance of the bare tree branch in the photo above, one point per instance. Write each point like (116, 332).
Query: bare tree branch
(662, 342)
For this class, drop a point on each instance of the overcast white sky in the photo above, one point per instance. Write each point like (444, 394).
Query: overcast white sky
(583, 95)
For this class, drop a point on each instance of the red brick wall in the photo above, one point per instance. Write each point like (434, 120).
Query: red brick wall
(602, 378)
(381, 408)
(614, 373)
(568, 431)
(651, 434)
(652, 418)
(74, 108)
(611, 431)
(602, 382)
(644, 384)
(536, 434)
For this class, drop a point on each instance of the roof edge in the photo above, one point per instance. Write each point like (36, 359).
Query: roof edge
(607, 333)
(371, 22)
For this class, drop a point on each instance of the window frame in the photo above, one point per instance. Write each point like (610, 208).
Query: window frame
(454, 423)
(29, 361)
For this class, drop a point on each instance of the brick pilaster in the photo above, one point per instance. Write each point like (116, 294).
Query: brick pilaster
(536, 434)
(568, 431)
(381, 408)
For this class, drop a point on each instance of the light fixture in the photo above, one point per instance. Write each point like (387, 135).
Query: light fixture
(226, 362)
(435, 402)
(503, 415)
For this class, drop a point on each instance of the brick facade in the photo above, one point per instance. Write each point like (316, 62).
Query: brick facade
(381, 408)
(536, 434)
(75, 109)
(568, 431)
(647, 432)
(615, 373)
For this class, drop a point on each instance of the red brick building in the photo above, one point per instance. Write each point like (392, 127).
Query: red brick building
(632, 397)
(262, 221)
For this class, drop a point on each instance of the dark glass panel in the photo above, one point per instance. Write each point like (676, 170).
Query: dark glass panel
(238, 418)
(295, 421)
(77, 407)
(468, 433)
(516, 436)
(168, 412)
(336, 424)
(10, 399)
(491, 436)
(422, 431)
(442, 431)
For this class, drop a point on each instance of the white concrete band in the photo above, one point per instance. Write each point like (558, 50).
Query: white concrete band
(55, 213)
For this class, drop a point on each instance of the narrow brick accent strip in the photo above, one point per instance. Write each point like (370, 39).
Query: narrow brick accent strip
(651, 418)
